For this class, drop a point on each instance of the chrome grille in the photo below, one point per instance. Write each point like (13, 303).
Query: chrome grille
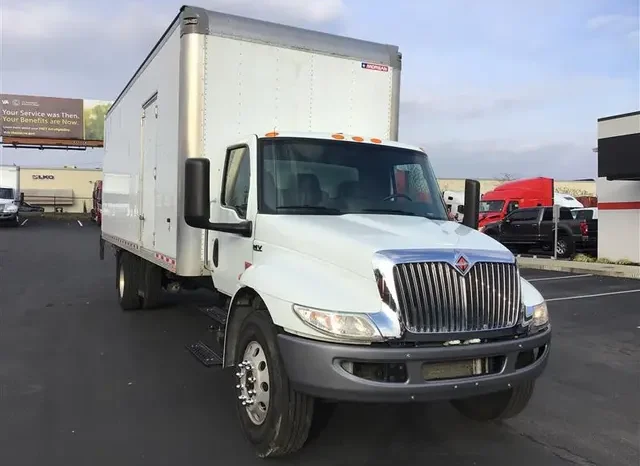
(435, 298)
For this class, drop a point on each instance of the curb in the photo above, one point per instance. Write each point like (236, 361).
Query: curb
(607, 270)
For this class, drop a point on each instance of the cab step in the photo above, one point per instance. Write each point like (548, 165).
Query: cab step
(215, 313)
(204, 354)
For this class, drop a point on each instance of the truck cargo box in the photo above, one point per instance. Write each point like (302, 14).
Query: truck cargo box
(213, 79)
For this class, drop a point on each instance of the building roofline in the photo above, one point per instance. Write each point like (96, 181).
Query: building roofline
(620, 115)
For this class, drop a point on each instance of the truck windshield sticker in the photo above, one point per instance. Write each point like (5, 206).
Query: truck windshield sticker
(374, 67)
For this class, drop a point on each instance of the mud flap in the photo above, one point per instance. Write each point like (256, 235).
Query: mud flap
(101, 248)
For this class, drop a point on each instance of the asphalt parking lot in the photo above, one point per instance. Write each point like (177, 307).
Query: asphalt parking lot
(83, 383)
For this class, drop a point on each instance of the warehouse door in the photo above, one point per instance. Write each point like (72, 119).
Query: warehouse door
(148, 172)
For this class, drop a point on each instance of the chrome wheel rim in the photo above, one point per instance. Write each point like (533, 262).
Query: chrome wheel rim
(253, 383)
(560, 247)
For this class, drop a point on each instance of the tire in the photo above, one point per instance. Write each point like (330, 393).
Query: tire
(564, 247)
(283, 428)
(127, 279)
(495, 406)
(151, 285)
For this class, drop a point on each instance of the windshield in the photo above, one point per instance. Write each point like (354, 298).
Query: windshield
(6, 193)
(326, 177)
(491, 206)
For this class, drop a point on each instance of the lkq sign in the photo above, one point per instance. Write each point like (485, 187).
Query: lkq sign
(43, 177)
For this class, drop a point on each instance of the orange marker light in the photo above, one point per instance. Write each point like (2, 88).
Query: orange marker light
(376, 140)
(337, 136)
(357, 139)
(272, 134)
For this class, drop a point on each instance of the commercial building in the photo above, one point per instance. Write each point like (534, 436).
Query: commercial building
(618, 187)
(59, 189)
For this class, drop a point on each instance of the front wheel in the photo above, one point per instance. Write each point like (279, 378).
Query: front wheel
(499, 405)
(274, 418)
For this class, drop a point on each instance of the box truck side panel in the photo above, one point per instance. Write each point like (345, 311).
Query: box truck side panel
(266, 87)
(140, 189)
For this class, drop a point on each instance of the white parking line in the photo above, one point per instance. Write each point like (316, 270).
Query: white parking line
(563, 277)
(25, 221)
(612, 293)
(79, 222)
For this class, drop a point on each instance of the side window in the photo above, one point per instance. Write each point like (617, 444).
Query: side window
(565, 214)
(547, 216)
(410, 180)
(513, 205)
(235, 192)
(461, 209)
(516, 216)
(524, 215)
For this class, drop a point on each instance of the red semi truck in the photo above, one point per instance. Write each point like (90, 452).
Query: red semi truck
(512, 195)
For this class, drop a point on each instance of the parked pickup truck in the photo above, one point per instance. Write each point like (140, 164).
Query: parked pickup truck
(529, 228)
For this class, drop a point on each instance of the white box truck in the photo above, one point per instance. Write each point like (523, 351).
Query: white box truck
(261, 161)
(10, 195)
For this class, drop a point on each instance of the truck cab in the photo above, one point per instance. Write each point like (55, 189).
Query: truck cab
(9, 207)
(365, 293)
(10, 195)
(512, 195)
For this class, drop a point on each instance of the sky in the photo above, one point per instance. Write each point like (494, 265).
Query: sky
(489, 87)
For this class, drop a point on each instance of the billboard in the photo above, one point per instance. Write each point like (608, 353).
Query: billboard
(37, 117)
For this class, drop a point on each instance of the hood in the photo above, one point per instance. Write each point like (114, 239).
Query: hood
(489, 217)
(4, 202)
(349, 241)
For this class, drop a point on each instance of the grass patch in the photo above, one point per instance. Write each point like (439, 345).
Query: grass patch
(584, 258)
(601, 260)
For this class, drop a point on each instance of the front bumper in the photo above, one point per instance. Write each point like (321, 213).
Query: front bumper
(315, 368)
(8, 216)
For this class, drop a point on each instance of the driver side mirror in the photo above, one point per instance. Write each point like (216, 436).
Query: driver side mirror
(197, 200)
(471, 203)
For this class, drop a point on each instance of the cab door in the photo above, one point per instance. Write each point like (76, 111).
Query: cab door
(231, 254)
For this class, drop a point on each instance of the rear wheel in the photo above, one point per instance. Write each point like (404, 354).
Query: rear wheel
(151, 285)
(127, 281)
(564, 247)
(275, 419)
(499, 405)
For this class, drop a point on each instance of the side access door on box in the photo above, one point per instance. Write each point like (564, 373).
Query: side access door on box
(148, 162)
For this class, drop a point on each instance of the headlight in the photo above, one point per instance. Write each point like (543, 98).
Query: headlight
(539, 314)
(339, 324)
(11, 208)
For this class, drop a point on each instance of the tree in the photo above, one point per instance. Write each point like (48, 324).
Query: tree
(506, 177)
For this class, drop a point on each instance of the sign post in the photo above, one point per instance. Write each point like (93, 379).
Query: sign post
(556, 217)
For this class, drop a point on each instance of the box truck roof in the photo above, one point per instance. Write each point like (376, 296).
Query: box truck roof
(200, 21)
(341, 136)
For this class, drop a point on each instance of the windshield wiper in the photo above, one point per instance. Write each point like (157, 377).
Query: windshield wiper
(390, 211)
(312, 208)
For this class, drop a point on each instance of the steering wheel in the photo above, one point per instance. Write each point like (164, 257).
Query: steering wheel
(393, 196)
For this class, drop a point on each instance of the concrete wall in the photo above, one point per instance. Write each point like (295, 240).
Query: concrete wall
(575, 188)
(69, 189)
(619, 220)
